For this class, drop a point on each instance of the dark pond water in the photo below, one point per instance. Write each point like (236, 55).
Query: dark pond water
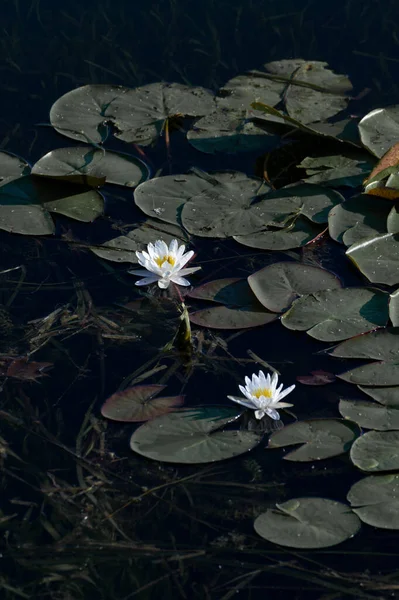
(81, 515)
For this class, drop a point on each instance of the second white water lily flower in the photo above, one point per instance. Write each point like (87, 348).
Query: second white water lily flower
(263, 396)
(163, 265)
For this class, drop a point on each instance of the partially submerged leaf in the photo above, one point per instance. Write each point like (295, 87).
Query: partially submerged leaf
(138, 403)
(358, 218)
(316, 378)
(22, 368)
(12, 167)
(370, 415)
(375, 500)
(379, 129)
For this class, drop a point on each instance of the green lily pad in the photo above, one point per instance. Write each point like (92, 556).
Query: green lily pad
(319, 438)
(334, 315)
(26, 204)
(375, 500)
(308, 523)
(381, 345)
(379, 129)
(138, 403)
(336, 170)
(377, 258)
(12, 167)
(370, 415)
(240, 307)
(136, 115)
(123, 248)
(384, 395)
(298, 233)
(278, 285)
(358, 218)
(394, 308)
(192, 436)
(82, 162)
(393, 220)
(376, 451)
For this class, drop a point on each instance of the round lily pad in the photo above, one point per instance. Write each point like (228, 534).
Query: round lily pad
(337, 170)
(138, 403)
(278, 285)
(82, 162)
(299, 232)
(193, 435)
(379, 129)
(370, 415)
(358, 218)
(389, 396)
(376, 451)
(375, 500)
(12, 167)
(308, 523)
(334, 315)
(377, 258)
(319, 438)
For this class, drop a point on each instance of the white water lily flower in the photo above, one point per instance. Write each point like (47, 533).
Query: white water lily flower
(263, 396)
(163, 264)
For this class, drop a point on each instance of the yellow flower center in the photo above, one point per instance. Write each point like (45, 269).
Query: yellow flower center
(160, 260)
(266, 392)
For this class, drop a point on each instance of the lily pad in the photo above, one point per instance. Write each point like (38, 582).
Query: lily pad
(298, 233)
(308, 523)
(370, 415)
(375, 500)
(138, 403)
(278, 285)
(12, 167)
(376, 451)
(377, 258)
(240, 307)
(394, 308)
(135, 115)
(192, 436)
(384, 395)
(123, 248)
(26, 204)
(319, 438)
(334, 315)
(379, 129)
(82, 162)
(336, 170)
(381, 345)
(393, 220)
(358, 218)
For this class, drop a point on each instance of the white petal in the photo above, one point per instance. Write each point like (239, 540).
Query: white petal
(259, 414)
(179, 280)
(246, 393)
(248, 383)
(273, 414)
(274, 380)
(173, 248)
(161, 248)
(285, 392)
(188, 271)
(282, 405)
(242, 401)
(164, 283)
(185, 258)
(151, 251)
(139, 272)
(147, 280)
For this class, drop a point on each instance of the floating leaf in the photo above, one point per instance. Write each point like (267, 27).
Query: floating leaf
(376, 451)
(384, 395)
(379, 129)
(375, 500)
(81, 163)
(136, 115)
(316, 378)
(321, 438)
(393, 220)
(22, 368)
(394, 308)
(381, 345)
(334, 315)
(358, 218)
(298, 233)
(336, 170)
(308, 523)
(278, 285)
(370, 415)
(12, 167)
(241, 308)
(193, 436)
(138, 403)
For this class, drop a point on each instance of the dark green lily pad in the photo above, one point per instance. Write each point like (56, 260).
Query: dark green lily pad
(299, 232)
(389, 396)
(381, 345)
(393, 220)
(319, 438)
(308, 523)
(278, 285)
(138, 403)
(336, 170)
(26, 204)
(192, 436)
(358, 218)
(334, 315)
(123, 248)
(375, 500)
(12, 167)
(82, 162)
(379, 129)
(376, 451)
(370, 415)
(240, 307)
(394, 308)
(377, 258)
(136, 115)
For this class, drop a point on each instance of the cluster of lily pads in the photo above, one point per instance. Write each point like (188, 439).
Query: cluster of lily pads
(262, 112)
